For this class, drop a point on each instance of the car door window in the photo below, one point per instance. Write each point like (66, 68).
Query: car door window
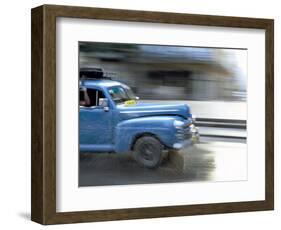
(90, 97)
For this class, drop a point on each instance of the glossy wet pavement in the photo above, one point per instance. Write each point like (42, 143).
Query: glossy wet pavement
(212, 159)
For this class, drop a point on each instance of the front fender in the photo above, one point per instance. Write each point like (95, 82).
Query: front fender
(160, 126)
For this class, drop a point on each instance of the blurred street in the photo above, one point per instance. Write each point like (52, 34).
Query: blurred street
(213, 159)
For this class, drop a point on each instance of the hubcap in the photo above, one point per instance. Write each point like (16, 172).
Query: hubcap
(147, 152)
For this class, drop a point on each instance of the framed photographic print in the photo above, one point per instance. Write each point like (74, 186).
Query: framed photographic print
(140, 114)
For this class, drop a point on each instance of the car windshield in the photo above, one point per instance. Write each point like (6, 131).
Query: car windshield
(121, 93)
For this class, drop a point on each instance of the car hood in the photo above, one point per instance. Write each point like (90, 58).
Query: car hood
(148, 109)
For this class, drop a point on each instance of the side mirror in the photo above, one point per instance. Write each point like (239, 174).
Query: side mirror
(103, 102)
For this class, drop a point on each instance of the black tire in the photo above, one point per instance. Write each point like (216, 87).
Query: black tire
(148, 152)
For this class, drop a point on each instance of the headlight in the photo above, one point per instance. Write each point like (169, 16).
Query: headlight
(178, 124)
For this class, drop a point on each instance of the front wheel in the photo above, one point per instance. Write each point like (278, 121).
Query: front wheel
(148, 152)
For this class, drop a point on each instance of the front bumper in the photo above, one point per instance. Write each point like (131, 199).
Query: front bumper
(182, 144)
(194, 133)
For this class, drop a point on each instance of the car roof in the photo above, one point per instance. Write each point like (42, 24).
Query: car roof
(99, 82)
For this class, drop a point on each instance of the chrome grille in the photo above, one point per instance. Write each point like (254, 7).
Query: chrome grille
(184, 133)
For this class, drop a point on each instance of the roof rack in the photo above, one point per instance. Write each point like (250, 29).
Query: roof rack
(94, 73)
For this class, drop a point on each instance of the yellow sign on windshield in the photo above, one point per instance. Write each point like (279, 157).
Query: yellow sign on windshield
(130, 103)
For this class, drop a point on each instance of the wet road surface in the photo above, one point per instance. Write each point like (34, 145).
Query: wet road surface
(213, 159)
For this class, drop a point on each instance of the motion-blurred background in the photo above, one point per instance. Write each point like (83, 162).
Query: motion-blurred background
(172, 72)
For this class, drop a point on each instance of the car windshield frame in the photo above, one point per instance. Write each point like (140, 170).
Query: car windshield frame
(125, 94)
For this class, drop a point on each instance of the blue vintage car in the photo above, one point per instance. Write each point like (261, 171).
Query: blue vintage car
(113, 120)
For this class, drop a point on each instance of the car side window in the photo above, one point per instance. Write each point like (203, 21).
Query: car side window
(90, 97)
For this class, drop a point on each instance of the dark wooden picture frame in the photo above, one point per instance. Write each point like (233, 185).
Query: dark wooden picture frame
(43, 197)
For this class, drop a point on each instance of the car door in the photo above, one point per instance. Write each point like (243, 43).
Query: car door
(95, 123)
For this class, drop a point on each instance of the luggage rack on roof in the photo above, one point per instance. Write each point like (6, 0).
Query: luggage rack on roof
(95, 73)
